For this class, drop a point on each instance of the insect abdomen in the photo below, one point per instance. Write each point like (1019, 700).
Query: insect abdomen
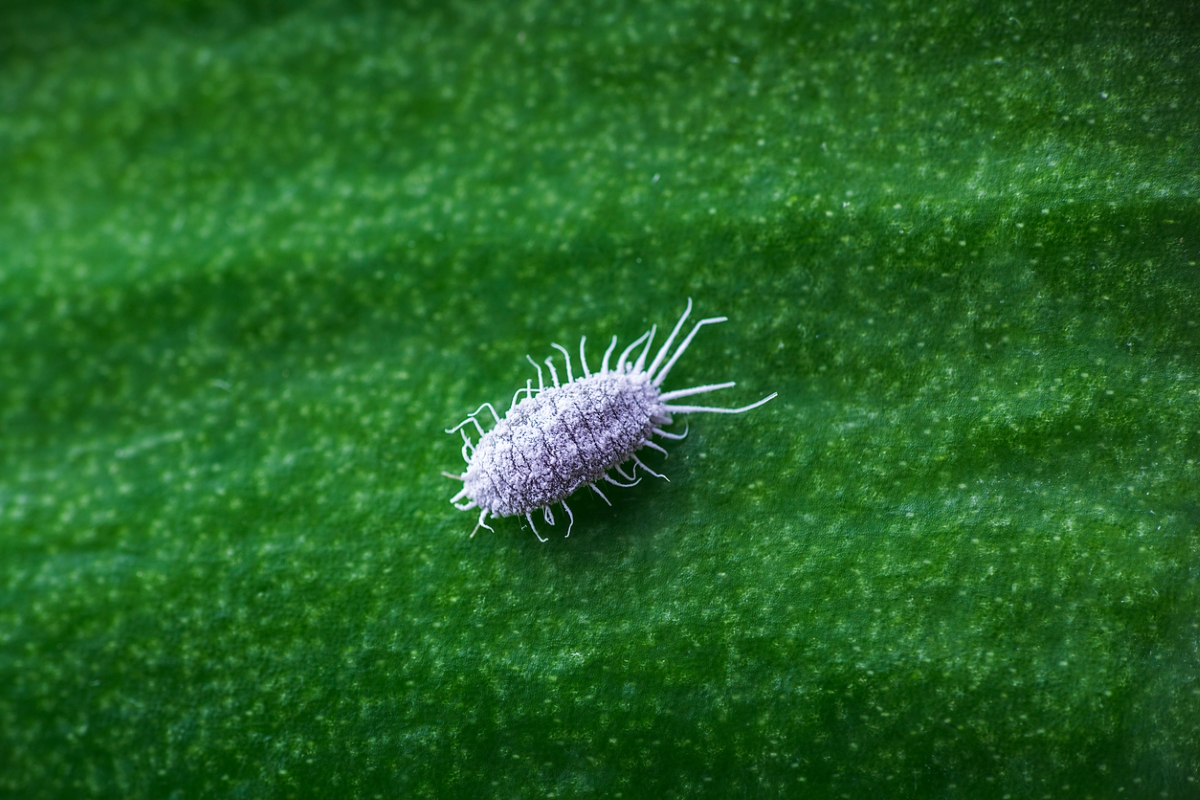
(550, 445)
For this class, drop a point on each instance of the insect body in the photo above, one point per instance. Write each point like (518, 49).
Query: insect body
(561, 438)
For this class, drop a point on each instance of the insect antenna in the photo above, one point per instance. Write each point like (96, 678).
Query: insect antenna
(678, 393)
(695, 409)
(658, 379)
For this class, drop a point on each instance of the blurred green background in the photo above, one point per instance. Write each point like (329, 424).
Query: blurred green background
(256, 256)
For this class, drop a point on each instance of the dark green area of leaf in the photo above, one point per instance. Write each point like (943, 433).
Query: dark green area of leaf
(254, 257)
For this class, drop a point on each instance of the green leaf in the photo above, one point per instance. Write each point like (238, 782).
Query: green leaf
(255, 257)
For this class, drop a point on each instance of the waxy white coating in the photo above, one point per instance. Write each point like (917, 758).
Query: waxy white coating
(563, 438)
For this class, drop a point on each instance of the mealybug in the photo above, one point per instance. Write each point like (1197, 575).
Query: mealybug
(558, 439)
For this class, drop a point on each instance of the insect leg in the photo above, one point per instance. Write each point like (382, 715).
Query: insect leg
(670, 340)
(693, 409)
(466, 506)
(654, 446)
(482, 516)
(658, 379)
(676, 436)
(652, 472)
(546, 515)
(452, 475)
(607, 353)
(622, 485)
(567, 358)
(596, 489)
(535, 533)
(571, 516)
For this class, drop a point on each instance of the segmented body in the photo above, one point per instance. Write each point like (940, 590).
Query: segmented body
(561, 438)
(549, 445)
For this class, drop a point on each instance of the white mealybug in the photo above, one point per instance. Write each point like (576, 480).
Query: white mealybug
(558, 439)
